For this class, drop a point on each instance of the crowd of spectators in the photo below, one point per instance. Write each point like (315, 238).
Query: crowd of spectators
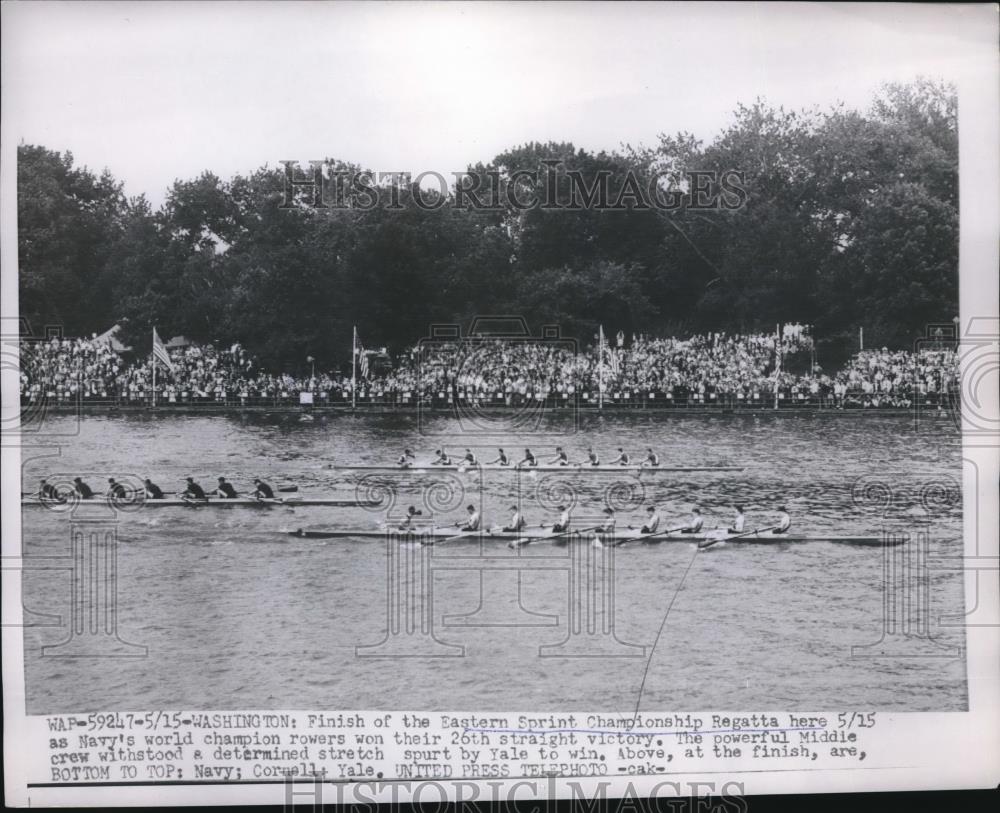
(705, 370)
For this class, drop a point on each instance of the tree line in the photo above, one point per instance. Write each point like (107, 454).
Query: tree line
(850, 220)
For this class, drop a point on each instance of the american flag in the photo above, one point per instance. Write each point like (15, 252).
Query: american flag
(160, 352)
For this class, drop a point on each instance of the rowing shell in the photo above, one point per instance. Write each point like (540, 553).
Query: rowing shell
(431, 535)
(211, 502)
(572, 467)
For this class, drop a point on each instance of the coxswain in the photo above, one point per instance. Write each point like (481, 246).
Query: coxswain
(116, 490)
(193, 491)
(411, 514)
(262, 491)
(153, 491)
(738, 521)
(442, 459)
(472, 520)
(469, 459)
(47, 491)
(225, 490)
(406, 459)
(592, 458)
(517, 521)
(622, 459)
(695, 521)
(784, 521)
(501, 459)
(529, 459)
(652, 520)
(564, 519)
(559, 458)
(652, 460)
(82, 489)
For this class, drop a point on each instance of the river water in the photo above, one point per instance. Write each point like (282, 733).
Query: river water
(235, 614)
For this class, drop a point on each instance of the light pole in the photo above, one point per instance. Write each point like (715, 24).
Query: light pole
(312, 375)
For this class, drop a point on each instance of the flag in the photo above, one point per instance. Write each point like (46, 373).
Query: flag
(613, 361)
(160, 352)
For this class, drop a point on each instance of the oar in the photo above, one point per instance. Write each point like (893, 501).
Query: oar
(517, 543)
(707, 543)
(651, 533)
(460, 535)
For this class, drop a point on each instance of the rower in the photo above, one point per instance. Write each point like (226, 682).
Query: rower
(517, 521)
(193, 491)
(529, 459)
(652, 460)
(225, 490)
(501, 459)
(47, 491)
(607, 530)
(784, 521)
(559, 458)
(153, 491)
(622, 459)
(116, 490)
(564, 519)
(592, 458)
(406, 459)
(82, 489)
(652, 520)
(472, 520)
(695, 521)
(470, 459)
(262, 490)
(738, 522)
(411, 514)
(442, 459)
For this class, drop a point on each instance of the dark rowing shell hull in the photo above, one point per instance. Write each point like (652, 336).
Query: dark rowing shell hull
(546, 468)
(211, 502)
(433, 535)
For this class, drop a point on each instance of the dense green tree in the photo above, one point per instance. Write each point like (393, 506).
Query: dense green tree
(847, 219)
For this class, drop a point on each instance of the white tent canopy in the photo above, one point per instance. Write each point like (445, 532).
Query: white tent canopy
(110, 337)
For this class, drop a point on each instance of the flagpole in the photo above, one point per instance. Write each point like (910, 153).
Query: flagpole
(600, 368)
(354, 365)
(153, 358)
(777, 361)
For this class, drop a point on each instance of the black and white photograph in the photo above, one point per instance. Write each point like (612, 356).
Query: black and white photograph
(534, 391)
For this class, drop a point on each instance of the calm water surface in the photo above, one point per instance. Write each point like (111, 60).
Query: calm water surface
(236, 614)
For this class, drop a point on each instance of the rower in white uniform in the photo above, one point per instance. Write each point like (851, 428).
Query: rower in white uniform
(517, 521)
(559, 458)
(652, 520)
(564, 519)
(441, 459)
(738, 522)
(652, 459)
(695, 521)
(784, 521)
(592, 458)
(622, 459)
(406, 459)
(469, 459)
(606, 533)
(529, 459)
(472, 520)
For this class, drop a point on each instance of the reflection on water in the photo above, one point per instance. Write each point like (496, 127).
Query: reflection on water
(236, 614)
